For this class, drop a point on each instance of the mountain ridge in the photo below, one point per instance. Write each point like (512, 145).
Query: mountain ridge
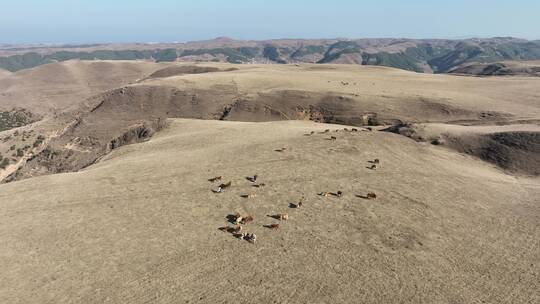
(419, 55)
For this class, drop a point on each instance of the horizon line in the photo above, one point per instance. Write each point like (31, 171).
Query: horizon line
(253, 40)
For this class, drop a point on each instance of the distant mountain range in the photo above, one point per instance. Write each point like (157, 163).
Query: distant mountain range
(429, 56)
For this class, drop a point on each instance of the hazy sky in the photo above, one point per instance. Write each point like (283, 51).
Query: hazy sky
(76, 21)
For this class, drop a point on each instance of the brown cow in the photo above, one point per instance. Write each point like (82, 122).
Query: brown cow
(272, 226)
(284, 216)
(371, 195)
(237, 229)
(222, 187)
(215, 179)
(246, 219)
(300, 203)
(252, 179)
(250, 237)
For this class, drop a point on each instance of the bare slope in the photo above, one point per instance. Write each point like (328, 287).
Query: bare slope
(142, 225)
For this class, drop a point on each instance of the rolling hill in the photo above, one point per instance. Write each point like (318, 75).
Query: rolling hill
(91, 126)
(55, 87)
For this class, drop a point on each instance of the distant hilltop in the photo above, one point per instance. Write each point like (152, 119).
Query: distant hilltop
(420, 55)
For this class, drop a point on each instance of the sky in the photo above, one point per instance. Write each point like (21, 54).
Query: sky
(94, 21)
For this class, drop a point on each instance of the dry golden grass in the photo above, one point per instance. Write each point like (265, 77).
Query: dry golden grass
(142, 225)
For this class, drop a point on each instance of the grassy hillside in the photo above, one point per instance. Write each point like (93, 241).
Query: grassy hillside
(141, 226)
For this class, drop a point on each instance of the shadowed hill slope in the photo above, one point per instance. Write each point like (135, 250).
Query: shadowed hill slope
(512, 68)
(180, 70)
(515, 148)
